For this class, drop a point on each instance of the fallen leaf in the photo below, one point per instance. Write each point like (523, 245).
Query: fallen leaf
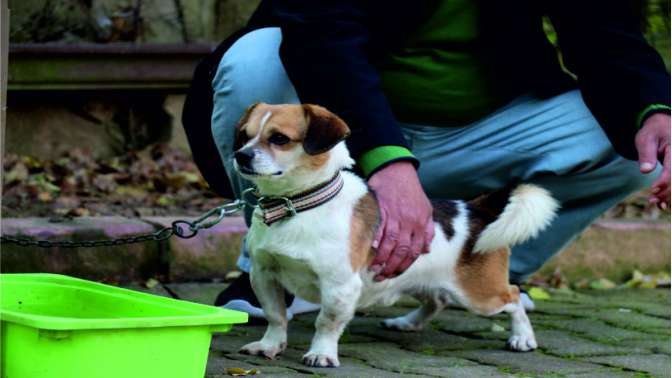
(539, 294)
(583, 283)
(191, 178)
(31, 162)
(602, 284)
(151, 283)
(69, 202)
(232, 275)
(45, 197)
(237, 372)
(175, 180)
(165, 201)
(130, 191)
(17, 174)
(79, 212)
(635, 280)
(497, 328)
(105, 183)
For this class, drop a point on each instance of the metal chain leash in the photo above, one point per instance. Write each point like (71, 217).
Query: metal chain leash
(181, 228)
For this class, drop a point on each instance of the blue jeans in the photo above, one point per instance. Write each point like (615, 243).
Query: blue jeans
(555, 142)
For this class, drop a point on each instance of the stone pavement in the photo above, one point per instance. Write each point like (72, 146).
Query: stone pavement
(608, 333)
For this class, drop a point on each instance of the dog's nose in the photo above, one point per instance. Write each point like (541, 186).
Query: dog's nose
(244, 157)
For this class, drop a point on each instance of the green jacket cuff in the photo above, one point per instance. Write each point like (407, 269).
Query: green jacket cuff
(654, 108)
(374, 159)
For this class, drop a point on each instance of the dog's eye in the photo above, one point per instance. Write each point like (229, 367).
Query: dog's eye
(278, 139)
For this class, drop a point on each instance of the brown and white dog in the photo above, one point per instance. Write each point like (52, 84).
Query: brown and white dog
(322, 254)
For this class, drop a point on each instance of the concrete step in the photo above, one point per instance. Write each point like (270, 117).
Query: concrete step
(209, 255)
(607, 249)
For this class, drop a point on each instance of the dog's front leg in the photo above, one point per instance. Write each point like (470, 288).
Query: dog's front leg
(271, 295)
(338, 300)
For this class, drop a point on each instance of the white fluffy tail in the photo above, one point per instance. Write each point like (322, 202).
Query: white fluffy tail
(530, 209)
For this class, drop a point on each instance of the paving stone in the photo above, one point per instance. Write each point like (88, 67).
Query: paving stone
(531, 362)
(291, 358)
(633, 320)
(390, 357)
(563, 308)
(606, 373)
(298, 336)
(569, 296)
(566, 345)
(662, 311)
(655, 302)
(465, 322)
(657, 365)
(629, 295)
(239, 335)
(426, 341)
(577, 344)
(384, 312)
(660, 346)
(593, 329)
(218, 364)
(204, 293)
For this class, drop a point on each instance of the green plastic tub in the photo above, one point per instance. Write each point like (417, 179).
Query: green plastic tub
(56, 326)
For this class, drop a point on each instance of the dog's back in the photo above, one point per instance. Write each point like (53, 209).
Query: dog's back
(469, 254)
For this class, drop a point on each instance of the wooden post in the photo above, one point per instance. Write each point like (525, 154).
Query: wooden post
(4, 52)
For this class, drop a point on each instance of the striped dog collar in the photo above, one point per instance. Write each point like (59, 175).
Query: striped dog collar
(275, 208)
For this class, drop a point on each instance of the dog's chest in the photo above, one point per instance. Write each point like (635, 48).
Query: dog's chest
(299, 278)
(293, 260)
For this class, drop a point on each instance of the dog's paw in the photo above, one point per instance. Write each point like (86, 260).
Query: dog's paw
(401, 324)
(522, 343)
(320, 360)
(260, 348)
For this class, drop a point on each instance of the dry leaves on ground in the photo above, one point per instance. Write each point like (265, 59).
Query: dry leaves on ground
(160, 181)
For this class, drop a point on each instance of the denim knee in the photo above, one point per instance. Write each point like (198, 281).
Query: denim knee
(632, 180)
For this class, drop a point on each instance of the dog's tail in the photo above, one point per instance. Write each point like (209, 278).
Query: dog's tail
(510, 216)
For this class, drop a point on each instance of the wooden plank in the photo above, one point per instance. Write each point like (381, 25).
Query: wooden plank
(51, 66)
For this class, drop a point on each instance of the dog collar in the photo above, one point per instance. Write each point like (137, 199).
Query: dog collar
(275, 208)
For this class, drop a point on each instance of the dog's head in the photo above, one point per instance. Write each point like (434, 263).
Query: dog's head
(281, 141)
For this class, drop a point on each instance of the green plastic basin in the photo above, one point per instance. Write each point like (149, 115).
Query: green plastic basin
(55, 326)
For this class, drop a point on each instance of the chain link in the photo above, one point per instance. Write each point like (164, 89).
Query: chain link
(181, 228)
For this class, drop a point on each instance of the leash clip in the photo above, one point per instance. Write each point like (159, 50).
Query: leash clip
(289, 205)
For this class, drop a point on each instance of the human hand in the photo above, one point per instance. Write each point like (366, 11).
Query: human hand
(406, 228)
(653, 144)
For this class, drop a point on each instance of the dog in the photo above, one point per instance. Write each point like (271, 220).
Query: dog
(322, 253)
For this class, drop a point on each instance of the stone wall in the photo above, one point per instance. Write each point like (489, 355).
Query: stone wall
(141, 21)
(46, 125)
(45, 120)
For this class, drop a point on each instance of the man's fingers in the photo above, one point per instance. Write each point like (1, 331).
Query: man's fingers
(647, 150)
(387, 245)
(417, 247)
(661, 187)
(381, 229)
(399, 254)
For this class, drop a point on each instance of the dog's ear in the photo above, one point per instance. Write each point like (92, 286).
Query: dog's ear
(325, 130)
(240, 127)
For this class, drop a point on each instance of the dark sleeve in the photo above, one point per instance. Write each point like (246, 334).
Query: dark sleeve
(325, 50)
(620, 75)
